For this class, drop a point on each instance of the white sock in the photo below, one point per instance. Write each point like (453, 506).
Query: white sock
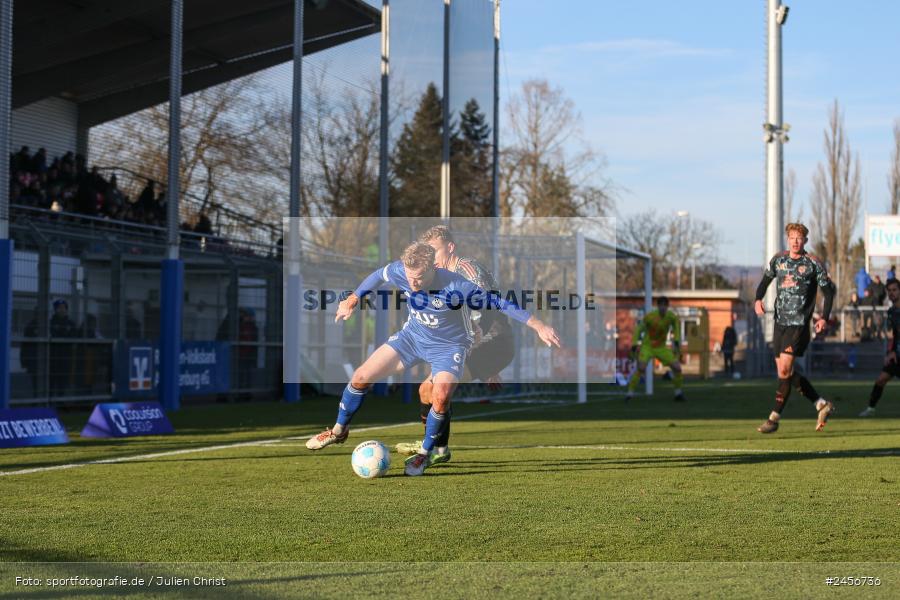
(774, 416)
(440, 450)
(338, 429)
(820, 403)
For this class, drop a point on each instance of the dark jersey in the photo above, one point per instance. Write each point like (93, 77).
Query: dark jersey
(893, 317)
(491, 322)
(797, 280)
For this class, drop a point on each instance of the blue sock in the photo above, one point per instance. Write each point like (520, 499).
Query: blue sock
(351, 400)
(434, 425)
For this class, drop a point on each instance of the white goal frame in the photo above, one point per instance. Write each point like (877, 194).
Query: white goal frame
(580, 258)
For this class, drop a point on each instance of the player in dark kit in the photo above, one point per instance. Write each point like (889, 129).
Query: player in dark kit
(798, 274)
(493, 348)
(891, 368)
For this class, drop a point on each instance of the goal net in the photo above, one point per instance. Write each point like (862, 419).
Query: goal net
(562, 271)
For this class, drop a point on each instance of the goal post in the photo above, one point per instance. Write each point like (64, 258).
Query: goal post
(565, 272)
(634, 274)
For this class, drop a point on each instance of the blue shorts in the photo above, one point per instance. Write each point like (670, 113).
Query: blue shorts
(442, 357)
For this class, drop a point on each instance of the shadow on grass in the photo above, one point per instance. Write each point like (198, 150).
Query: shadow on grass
(224, 424)
(652, 462)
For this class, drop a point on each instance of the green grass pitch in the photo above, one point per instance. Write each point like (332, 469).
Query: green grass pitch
(647, 499)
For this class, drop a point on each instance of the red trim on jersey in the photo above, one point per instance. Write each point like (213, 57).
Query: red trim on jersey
(471, 273)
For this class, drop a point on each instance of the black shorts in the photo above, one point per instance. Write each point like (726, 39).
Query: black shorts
(790, 339)
(892, 369)
(491, 356)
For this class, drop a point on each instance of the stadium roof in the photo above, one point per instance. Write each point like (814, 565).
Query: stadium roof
(111, 57)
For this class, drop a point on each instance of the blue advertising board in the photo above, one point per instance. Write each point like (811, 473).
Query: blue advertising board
(31, 427)
(204, 369)
(126, 419)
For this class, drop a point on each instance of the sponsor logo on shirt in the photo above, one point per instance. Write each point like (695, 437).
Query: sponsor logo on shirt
(425, 319)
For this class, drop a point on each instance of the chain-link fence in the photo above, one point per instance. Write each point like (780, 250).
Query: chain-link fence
(854, 344)
(86, 294)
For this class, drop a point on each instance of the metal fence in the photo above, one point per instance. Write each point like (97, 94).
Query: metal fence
(854, 345)
(84, 287)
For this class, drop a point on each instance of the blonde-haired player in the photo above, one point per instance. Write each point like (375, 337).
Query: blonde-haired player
(435, 333)
(493, 348)
(798, 274)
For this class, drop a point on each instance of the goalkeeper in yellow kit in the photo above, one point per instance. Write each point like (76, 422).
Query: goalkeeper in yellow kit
(649, 342)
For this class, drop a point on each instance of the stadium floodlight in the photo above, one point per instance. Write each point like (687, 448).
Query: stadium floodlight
(781, 14)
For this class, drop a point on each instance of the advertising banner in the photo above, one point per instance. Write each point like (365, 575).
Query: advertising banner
(127, 419)
(205, 369)
(883, 235)
(31, 427)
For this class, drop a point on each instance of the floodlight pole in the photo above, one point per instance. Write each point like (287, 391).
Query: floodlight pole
(774, 136)
(384, 207)
(495, 171)
(580, 286)
(445, 109)
(384, 150)
(172, 269)
(291, 348)
(648, 306)
(495, 151)
(6, 244)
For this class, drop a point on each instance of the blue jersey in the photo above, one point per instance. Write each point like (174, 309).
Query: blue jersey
(438, 314)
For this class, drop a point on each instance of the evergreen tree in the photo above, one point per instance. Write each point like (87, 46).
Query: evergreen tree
(416, 161)
(470, 164)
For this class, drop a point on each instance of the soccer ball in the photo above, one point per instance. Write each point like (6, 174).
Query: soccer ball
(370, 459)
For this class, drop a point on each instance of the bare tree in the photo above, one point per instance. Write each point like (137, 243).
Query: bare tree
(220, 132)
(836, 200)
(340, 149)
(671, 242)
(548, 168)
(894, 177)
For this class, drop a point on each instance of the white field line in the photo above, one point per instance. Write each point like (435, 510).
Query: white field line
(649, 449)
(638, 448)
(593, 447)
(121, 459)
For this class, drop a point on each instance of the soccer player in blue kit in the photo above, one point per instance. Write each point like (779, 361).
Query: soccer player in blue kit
(435, 333)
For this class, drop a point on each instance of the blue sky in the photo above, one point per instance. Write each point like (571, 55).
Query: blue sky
(673, 94)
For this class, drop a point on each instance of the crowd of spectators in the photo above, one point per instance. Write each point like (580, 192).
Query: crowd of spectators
(65, 184)
(870, 292)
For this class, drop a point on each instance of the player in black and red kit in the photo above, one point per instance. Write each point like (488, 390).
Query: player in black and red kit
(891, 367)
(798, 275)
